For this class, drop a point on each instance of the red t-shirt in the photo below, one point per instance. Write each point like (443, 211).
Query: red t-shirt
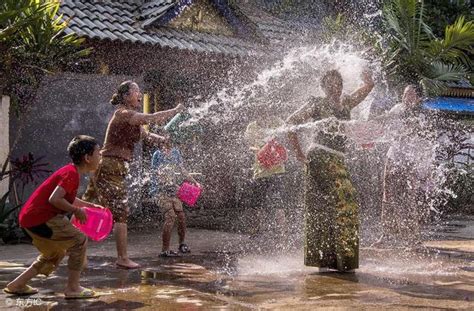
(37, 209)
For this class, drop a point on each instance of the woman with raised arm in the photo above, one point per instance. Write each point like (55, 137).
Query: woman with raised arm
(123, 132)
(331, 210)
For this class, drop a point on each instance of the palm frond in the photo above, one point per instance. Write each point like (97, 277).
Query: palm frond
(441, 71)
(432, 87)
(457, 44)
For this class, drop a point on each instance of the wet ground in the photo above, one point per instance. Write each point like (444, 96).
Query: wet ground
(226, 272)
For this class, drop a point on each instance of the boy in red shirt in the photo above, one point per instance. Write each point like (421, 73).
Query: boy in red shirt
(44, 218)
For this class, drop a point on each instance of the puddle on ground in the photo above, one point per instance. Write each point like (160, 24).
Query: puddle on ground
(216, 281)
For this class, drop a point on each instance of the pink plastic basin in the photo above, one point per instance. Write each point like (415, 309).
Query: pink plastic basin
(272, 154)
(98, 225)
(189, 193)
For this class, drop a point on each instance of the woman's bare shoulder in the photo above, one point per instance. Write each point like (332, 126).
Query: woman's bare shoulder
(124, 113)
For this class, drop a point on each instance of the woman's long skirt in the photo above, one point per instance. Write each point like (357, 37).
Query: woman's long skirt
(331, 213)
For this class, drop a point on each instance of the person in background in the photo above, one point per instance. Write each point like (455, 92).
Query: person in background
(168, 174)
(405, 181)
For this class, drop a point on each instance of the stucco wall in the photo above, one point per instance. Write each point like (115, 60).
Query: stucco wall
(4, 141)
(65, 105)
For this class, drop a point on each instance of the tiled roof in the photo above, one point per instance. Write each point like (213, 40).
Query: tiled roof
(133, 21)
(123, 21)
(153, 10)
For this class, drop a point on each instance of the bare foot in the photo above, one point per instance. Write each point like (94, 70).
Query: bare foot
(127, 264)
(73, 291)
(79, 293)
(20, 290)
(14, 288)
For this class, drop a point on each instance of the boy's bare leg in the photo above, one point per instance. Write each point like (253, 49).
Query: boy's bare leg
(73, 287)
(122, 243)
(19, 283)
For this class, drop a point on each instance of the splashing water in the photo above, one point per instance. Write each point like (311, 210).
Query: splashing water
(287, 84)
(222, 153)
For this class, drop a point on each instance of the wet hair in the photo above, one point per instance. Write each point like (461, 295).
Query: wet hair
(416, 88)
(331, 74)
(122, 91)
(79, 146)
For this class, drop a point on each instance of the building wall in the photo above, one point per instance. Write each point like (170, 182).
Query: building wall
(65, 105)
(4, 141)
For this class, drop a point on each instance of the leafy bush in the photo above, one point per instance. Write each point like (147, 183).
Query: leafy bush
(416, 54)
(461, 182)
(32, 43)
(440, 13)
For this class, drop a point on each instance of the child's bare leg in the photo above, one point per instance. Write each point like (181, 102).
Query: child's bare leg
(76, 262)
(181, 226)
(20, 282)
(178, 208)
(168, 225)
(73, 286)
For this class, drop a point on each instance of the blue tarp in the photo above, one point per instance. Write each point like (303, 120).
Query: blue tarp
(451, 104)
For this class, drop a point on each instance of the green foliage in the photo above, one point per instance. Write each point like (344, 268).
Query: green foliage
(457, 44)
(14, 15)
(8, 225)
(461, 182)
(32, 43)
(6, 209)
(415, 54)
(42, 42)
(440, 13)
(334, 27)
(340, 28)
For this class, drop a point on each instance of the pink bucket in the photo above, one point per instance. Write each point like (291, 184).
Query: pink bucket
(98, 225)
(189, 193)
(272, 154)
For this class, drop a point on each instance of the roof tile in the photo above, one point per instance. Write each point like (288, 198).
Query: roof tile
(118, 21)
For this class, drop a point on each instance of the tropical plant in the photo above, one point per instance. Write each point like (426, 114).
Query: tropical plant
(22, 171)
(7, 225)
(6, 209)
(28, 169)
(14, 16)
(440, 13)
(339, 27)
(415, 54)
(33, 42)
